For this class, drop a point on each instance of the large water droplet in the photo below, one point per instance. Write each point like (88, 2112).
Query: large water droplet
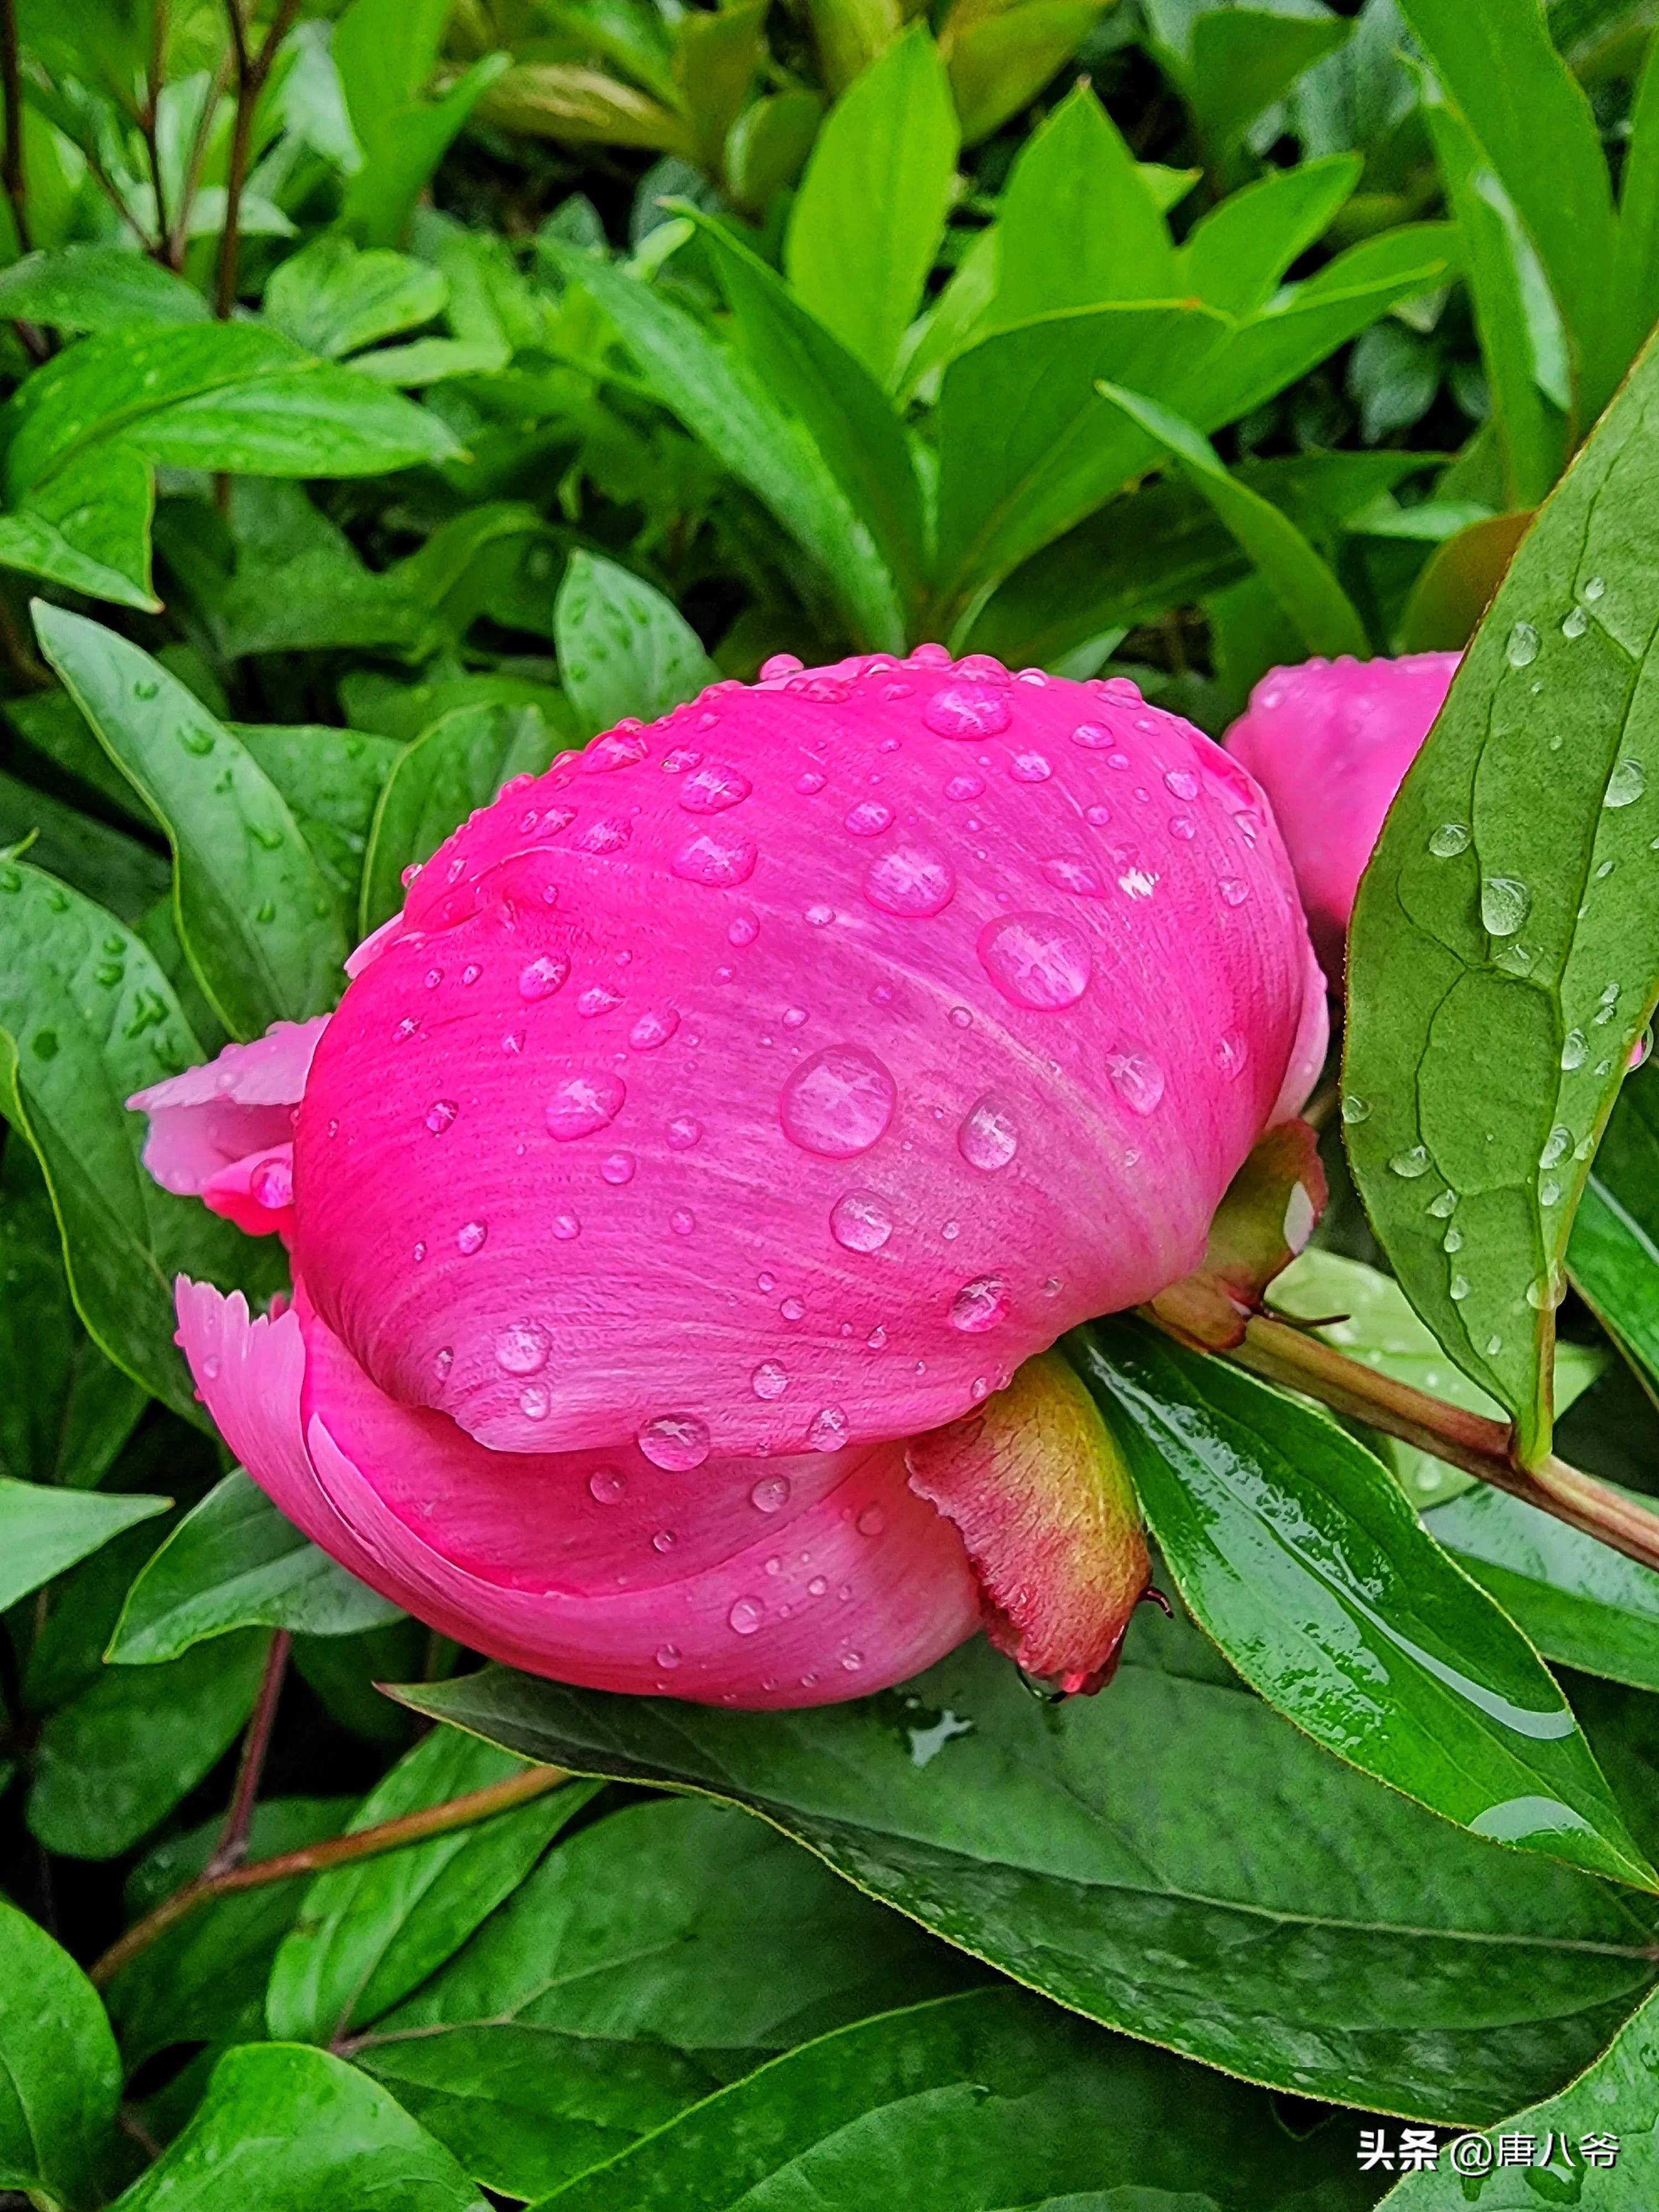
(470, 1238)
(1355, 1109)
(712, 788)
(523, 1349)
(720, 856)
(770, 1494)
(653, 1029)
(675, 1441)
(1035, 960)
(859, 1221)
(1182, 781)
(582, 1103)
(769, 1380)
(869, 818)
(1504, 901)
(988, 1138)
(1575, 1050)
(1522, 649)
(1450, 839)
(746, 1616)
(967, 710)
(1627, 784)
(1557, 1146)
(911, 881)
(1137, 1079)
(543, 976)
(1094, 735)
(827, 1430)
(1410, 1164)
(838, 1103)
(980, 1305)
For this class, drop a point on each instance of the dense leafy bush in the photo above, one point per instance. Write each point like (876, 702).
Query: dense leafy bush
(399, 394)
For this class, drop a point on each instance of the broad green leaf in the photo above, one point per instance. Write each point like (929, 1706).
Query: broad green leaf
(848, 414)
(624, 650)
(1242, 59)
(1535, 125)
(44, 1530)
(333, 300)
(332, 780)
(234, 1562)
(1171, 1858)
(203, 1980)
(65, 1410)
(1028, 446)
(402, 712)
(368, 1935)
(79, 848)
(1303, 584)
(87, 528)
(1299, 1555)
(460, 763)
(385, 52)
(653, 1957)
(86, 1018)
(871, 209)
(287, 2129)
(262, 926)
(1611, 2103)
(97, 288)
(721, 402)
(233, 396)
(1236, 254)
(849, 34)
(118, 1759)
(60, 2078)
(970, 2104)
(1504, 956)
(1614, 1254)
(1078, 227)
(1001, 58)
(345, 1671)
(1456, 584)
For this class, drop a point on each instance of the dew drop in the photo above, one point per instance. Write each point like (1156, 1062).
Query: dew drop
(523, 1350)
(663, 1541)
(667, 1657)
(470, 1238)
(1410, 1164)
(966, 711)
(988, 1139)
(1505, 900)
(711, 789)
(871, 1522)
(582, 1103)
(443, 1361)
(1093, 735)
(791, 1309)
(617, 1168)
(566, 1227)
(911, 881)
(1182, 781)
(768, 1381)
(675, 1441)
(543, 976)
(718, 857)
(770, 1494)
(1557, 1146)
(838, 1103)
(535, 1402)
(1522, 650)
(869, 818)
(1575, 1050)
(1030, 768)
(980, 1305)
(1137, 1079)
(1574, 622)
(1450, 839)
(1458, 1288)
(1443, 1206)
(682, 1221)
(1593, 587)
(652, 1029)
(859, 1221)
(1627, 784)
(1035, 960)
(827, 1430)
(964, 788)
(746, 1616)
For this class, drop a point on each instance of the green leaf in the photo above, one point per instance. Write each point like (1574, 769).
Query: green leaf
(262, 926)
(60, 2078)
(118, 1759)
(1614, 1252)
(1635, 277)
(459, 763)
(87, 528)
(287, 2129)
(65, 1410)
(1078, 227)
(871, 209)
(203, 1979)
(1171, 1858)
(1301, 1558)
(42, 1530)
(81, 850)
(1303, 584)
(848, 414)
(1504, 956)
(333, 300)
(1236, 254)
(721, 402)
(230, 396)
(234, 1562)
(1611, 2102)
(1243, 59)
(987, 2100)
(652, 1957)
(1534, 124)
(1000, 60)
(86, 1018)
(97, 288)
(385, 52)
(717, 53)
(332, 780)
(624, 650)
(368, 1933)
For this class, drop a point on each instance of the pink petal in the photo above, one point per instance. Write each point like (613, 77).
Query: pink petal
(232, 1109)
(791, 1582)
(255, 1193)
(374, 945)
(1330, 742)
(803, 1064)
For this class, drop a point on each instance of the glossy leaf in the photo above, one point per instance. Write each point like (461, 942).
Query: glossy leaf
(333, 300)
(262, 929)
(97, 288)
(1077, 226)
(624, 650)
(117, 1759)
(1171, 1857)
(234, 1562)
(460, 762)
(870, 207)
(1614, 1255)
(385, 52)
(1242, 59)
(1301, 1558)
(44, 1530)
(61, 2076)
(1493, 932)
(649, 1959)
(299, 2132)
(87, 527)
(86, 1018)
(1236, 254)
(973, 2103)
(331, 780)
(1301, 581)
(368, 1933)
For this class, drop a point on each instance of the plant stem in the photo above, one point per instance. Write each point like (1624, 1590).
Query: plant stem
(148, 118)
(253, 68)
(1303, 1362)
(232, 1847)
(316, 1858)
(12, 172)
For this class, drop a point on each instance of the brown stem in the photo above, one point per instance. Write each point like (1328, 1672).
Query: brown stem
(1289, 1356)
(232, 1848)
(12, 172)
(253, 68)
(178, 237)
(317, 1858)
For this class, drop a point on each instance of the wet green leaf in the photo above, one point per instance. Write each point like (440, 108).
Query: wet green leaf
(332, 299)
(44, 1530)
(1504, 956)
(97, 288)
(61, 2077)
(624, 648)
(86, 527)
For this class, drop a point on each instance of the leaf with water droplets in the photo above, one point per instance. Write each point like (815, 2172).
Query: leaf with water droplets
(624, 648)
(1496, 984)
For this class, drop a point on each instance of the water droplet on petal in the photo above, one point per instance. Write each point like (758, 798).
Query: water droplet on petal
(769, 1380)
(470, 1238)
(544, 976)
(682, 1221)
(712, 788)
(1137, 1079)
(523, 1350)
(869, 818)
(770, 1494)
(653, 1029)
(909, 880)
(837, 1104)
(1094, 735)
(827, 1431)
(966, 710)
(668, 1657)
(988, 1138)
(1182, 781)
(566, 1226)
(675, 1441)
(717, 857)
(746, 1616)
(617, 1168)
(1035, 960)
(861, 1222)
(980, 1305)
(871, 1522)
(582, 1103)
(1030, 768)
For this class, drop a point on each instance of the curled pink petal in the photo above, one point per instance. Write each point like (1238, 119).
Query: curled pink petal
(800, 1065)
(774, 1583)
(256, 1192)
(373, 945)
(234, 1109)
(1330, 742)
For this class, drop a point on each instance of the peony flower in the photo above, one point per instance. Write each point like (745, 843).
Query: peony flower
(1329, 742)
(685, 1196)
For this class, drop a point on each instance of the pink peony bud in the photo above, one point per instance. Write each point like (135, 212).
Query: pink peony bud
(730, 1107)
(1329, 743)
